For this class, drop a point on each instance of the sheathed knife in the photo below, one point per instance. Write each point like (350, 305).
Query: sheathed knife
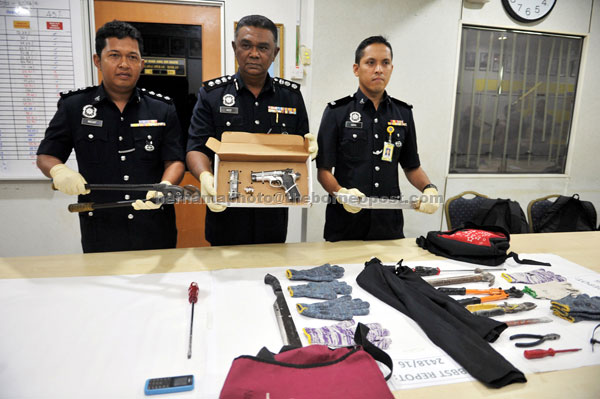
(375, 202)
(287, 328)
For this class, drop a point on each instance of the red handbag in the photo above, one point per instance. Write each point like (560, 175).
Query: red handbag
(312, 372)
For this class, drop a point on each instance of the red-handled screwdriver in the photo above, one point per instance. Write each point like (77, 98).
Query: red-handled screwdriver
(193, 298)
(539, 353)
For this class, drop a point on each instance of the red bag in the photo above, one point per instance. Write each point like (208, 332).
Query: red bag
(312, 372)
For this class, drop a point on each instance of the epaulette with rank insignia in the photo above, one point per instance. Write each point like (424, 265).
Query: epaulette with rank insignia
(341, 101)
(66, 94)
(218, 82)
(401, 102)
(287, 83)
(157, 96)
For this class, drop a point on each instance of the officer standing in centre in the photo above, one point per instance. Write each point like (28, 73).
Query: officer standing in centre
(364, 137)
(249, 101)
(121, 135)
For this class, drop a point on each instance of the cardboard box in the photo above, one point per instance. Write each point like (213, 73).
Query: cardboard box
(249, 153)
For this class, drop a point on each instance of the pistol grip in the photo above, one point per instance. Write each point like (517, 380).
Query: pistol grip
(291, 189)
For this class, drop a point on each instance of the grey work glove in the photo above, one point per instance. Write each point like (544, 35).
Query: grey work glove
(537, 276)
(324, 272)
(342, 334)
(342, 308)
(320, 290)
(578, 304)
(555, 290)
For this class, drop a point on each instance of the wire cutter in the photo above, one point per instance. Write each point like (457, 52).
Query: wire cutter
(540, 339)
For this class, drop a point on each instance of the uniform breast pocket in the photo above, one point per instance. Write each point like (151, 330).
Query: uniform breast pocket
(354, 144)
(148, 144)
(227, 122)
(91, 145)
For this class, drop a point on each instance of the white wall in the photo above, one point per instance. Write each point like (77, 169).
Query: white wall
(425, 35)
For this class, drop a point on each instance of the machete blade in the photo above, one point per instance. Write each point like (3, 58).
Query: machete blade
(287, 328)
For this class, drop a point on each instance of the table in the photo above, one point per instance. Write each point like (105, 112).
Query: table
(582, 248)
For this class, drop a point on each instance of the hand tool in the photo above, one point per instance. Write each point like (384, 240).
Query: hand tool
(501, 310)
(593, 340)
(287, 328)
(523, 322)
(539, 353)
(172, 194)
(375, 202)
(471, 278)
(539, 339)
(495, 294)
(529, 291)
(434, 271)
(193, 298)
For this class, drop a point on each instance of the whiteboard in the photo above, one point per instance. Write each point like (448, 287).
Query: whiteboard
(42, 53)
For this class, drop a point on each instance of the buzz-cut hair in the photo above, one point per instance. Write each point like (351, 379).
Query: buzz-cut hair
(258, 21)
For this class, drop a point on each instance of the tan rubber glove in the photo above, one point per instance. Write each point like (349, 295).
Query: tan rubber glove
(352, 191)
(431, 202)
(67, 181)
(207, 189)
(148, 205)
(313, 147)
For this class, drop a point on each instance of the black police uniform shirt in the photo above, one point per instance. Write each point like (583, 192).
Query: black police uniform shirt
(226, 104)
(118, 148)
(351, 140)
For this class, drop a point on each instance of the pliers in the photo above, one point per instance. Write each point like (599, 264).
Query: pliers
(540, 339)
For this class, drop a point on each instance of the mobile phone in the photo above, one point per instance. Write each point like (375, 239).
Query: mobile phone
(155, 386)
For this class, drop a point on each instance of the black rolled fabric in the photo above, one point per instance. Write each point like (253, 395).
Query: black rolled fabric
(463, 336)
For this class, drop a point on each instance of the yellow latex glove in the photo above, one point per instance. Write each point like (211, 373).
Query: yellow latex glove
(431, 202)
(352, 191)
(68, 181)
(313, 147)
(148, 205)
(207, 189)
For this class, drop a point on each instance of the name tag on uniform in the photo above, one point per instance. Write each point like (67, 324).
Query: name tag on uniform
(228, 110)
(91, 122)
(354, 125)
(281, 110)
(148, 123)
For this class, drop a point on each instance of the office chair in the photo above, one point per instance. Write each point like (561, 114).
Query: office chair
(536, 211)
(459, 209)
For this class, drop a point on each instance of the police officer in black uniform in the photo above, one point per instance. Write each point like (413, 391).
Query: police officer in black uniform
(364, 137)
(121, 135)
(249, 101)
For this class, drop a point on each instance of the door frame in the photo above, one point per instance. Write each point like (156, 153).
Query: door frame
(89, 26)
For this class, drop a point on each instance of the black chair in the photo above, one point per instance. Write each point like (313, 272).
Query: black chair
(459, 209)
(537, 209)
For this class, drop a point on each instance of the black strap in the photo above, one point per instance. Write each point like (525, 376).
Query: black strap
(360, 338)
(515, 256)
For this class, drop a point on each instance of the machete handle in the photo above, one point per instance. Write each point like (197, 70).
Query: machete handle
(81, 207)
(273, 282)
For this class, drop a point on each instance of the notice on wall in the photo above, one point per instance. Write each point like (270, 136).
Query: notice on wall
(41, 55)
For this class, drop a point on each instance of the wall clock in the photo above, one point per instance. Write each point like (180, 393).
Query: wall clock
(528, 10)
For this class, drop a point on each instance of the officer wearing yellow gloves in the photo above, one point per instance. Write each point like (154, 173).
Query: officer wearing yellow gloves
(362, 139)
(249, 101)
(121, 135)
